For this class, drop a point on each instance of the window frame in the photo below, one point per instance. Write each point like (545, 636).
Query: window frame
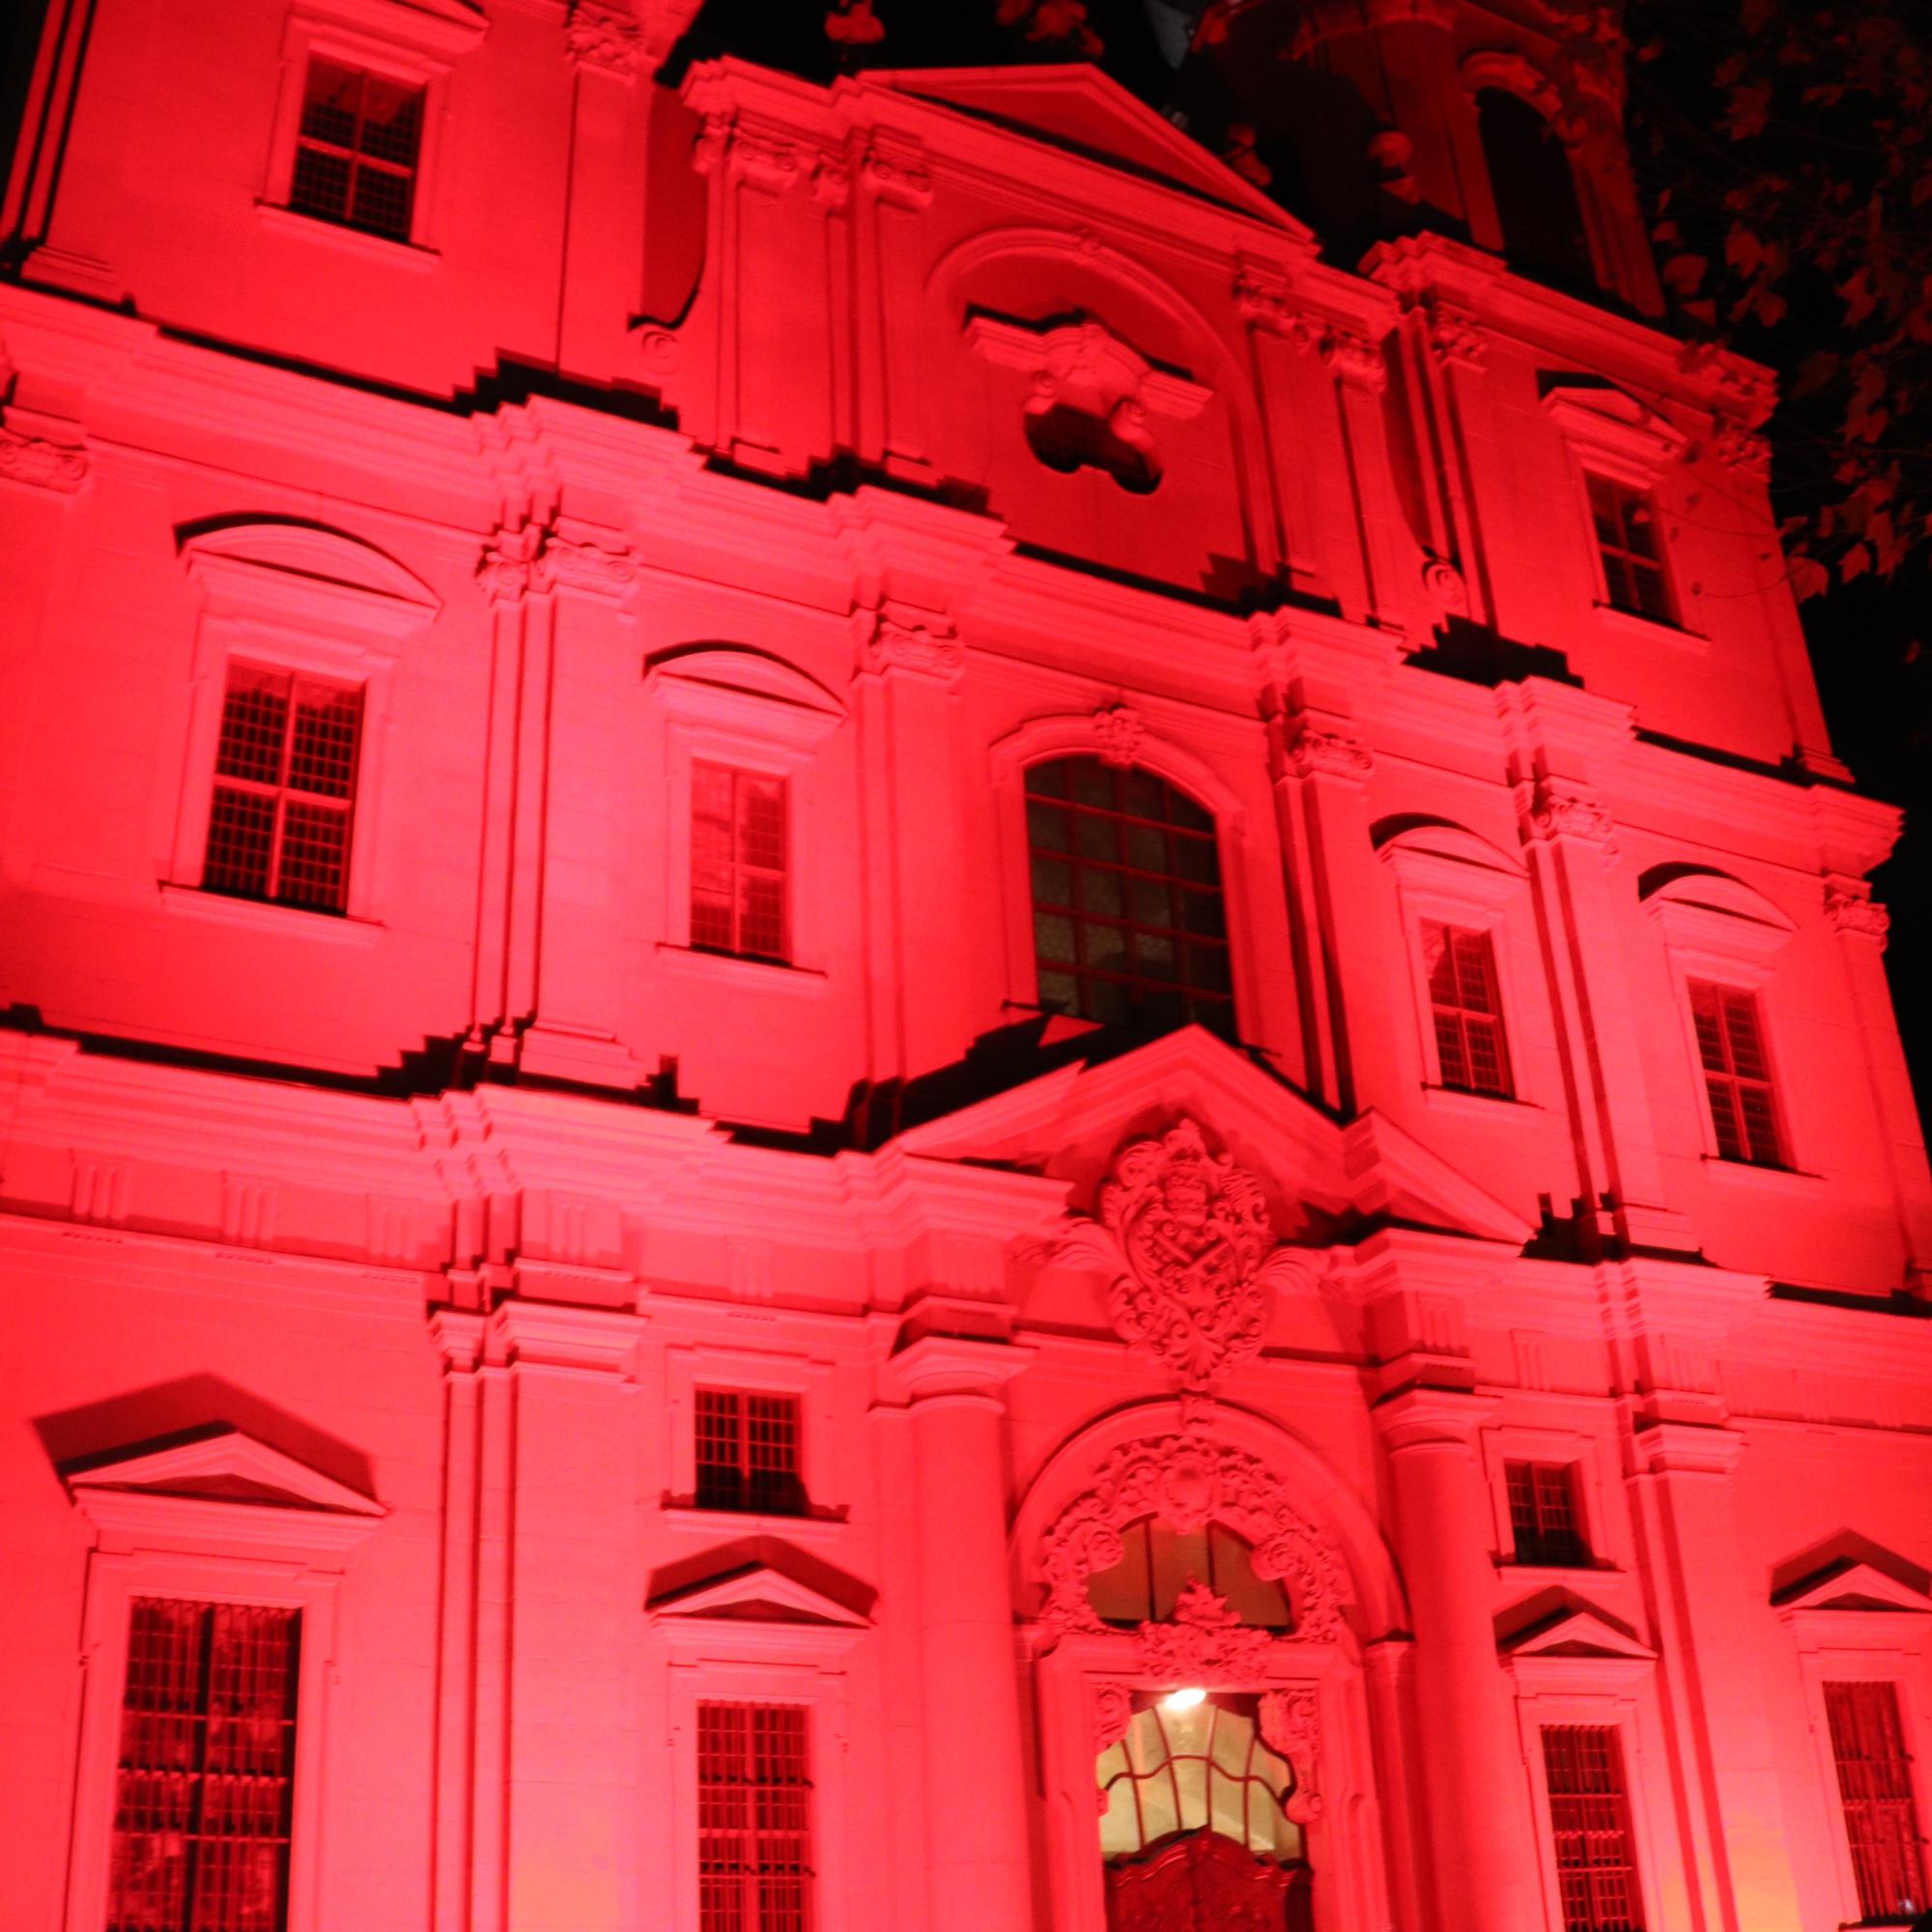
(1837, 1643)
(413, 49)
(1447, 876)
(1571, 1474)
(730, 706)
(1484, 937)
(739, 775)
(1066, 736)
(1907, 1759)
(151, 1543)
(809, 1381)
(1770, 1083)
(709, 1387)
(1595, 470)
(1604, 1529)
(267, 610)
(755, 1923)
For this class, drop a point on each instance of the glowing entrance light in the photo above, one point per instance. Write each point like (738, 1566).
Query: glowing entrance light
(1184, 1700)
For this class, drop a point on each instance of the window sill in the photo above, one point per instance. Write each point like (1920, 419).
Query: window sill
(1657, 629)
(1494, 1106)
(1571, 1573)
(1749, 1174)
(266, 915)
(688, 1518)
(357, 241)
(763, 976)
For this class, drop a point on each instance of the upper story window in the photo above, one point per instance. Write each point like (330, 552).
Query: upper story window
(206, 1761)
(1589, 1818)
(1159, 1562)
(738, 898)
(1467, 1009)
(1542, 1514)
(748, 1453)
(1628, 548)
(753, 1819)
(1737, 1074)
(1534, 188)
(284, 797)
(1875, 1784)
(1129, 924)
(356, 149)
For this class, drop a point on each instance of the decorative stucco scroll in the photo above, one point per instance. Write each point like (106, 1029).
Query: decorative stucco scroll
(1193, 1262)
(34, 459)
(1204, 1641)
(1291, 1728)
(1188, 1481)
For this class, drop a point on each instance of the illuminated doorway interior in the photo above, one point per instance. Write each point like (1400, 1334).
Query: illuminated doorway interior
(1195, 1834)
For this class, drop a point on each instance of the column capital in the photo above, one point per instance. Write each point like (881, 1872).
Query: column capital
(1684, 1448)
(936, 1368)
(1432, 1418)
(550, 1335)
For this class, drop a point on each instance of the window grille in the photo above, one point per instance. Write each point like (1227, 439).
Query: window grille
(1736, 1075)
(1129, 927)
(1875, 1782)
(1626, 524)
(738, 863)
(200, 1810)
(1467, 1009)
(748, 1453)
(284, 789)
(753, 1819)
(1589, 1815)
(356, 149)
(1543, 1513)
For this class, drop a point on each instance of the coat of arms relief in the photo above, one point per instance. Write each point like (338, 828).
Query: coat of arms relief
(1193, 1260)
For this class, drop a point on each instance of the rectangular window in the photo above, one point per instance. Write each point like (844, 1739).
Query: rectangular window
(738, 863)
(1875, 1782)
(753, 1819)
(1626, 525)
(1543, 1513)
(1736, 1075)
(1589, 1815)
(284, 789)
(748, 1453)
(1468, 1011)
(356, 149)
(206, 1761)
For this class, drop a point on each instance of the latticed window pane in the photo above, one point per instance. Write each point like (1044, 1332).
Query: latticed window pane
(1589, 1815)
(753, 1819)
(207, 1763)
(738, 863)
(1205, 1768)
(1466, 1009)
(279, 822)
(748, 1453)
(1736, 1075)
(1875, 1784)
(356, 149)
(1626, 526)
(1543, 1513)
(1129, 927)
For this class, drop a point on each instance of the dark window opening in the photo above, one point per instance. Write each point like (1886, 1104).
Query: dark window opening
(748, 1453)
(1589, 1817)
(1468, 1011)
(753, 1819)
(1624, 521)
(1736, 1075)
(1535, 190)
(1157, 1562)
(356, 149)
(1542, 1514)
(1875, 1784)
(1066, 439)
(1129, 926)
(738, 894)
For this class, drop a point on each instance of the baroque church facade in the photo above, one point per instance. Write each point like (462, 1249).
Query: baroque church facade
(906, 1025)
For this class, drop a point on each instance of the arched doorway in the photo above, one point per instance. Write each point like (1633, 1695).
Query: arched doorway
(1195, 1832)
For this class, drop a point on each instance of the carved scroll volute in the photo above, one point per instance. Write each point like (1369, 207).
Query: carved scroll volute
(1291, 1728)
(1194, 1262)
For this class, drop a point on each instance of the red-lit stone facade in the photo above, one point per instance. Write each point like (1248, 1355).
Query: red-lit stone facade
(1030, 949)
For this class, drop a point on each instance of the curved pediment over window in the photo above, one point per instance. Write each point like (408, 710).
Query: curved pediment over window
(742, 668)
(1710, 915)
(285, 553)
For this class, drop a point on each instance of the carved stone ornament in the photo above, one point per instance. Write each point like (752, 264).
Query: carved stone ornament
(1313, 753)
(530, 556)
(1356, 358)
(1445, 587)
(50, 466)
(1184, 1235)
(1204, 1640)
(1552, 810)
(505, 568)
(1456, 338)
(900, 637)
(604, 37)
(1188, 1481)
(1291, 1728)
(1113, 1713)
(1851, 908)
(1120, 731)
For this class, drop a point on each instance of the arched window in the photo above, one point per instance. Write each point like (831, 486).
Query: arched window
(1199, 1768)
(1129, 927)
(1159, 1563)
(1535, 190)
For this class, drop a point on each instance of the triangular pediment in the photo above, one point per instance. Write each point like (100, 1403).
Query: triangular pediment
(1072, 1120)
(755, 1593)
(219, 1466)
(1577, 1633)
(1079, 108)
(1853, 1585)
